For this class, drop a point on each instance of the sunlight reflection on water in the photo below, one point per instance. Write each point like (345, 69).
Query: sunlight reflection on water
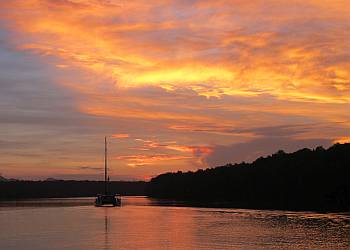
(141, 224)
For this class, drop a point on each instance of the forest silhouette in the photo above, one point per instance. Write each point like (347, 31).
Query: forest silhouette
(307, 179)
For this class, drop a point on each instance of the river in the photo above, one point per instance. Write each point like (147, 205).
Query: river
(143, 223)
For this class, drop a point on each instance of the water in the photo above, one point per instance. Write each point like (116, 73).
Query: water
(142, 223)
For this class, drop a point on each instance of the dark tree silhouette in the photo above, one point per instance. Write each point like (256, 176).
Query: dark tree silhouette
(304, 180)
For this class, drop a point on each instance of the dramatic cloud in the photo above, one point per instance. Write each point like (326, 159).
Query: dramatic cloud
(194, 81)
(296, 50)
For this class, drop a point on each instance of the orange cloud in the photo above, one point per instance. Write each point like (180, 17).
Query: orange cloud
(119, 136)
(196, 154)
(137, 47)
(148, 144)
(142, 160)
(342, 140)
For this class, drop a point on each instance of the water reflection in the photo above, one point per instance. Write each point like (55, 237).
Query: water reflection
(140, 224)
(53, 202)
(106, 221)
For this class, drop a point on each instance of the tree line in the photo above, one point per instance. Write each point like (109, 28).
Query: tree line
(307, 179)
(62, 189)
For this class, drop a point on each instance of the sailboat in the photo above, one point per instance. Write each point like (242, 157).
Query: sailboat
(107, 199)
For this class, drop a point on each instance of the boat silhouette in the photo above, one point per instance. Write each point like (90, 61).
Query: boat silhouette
(107, 199)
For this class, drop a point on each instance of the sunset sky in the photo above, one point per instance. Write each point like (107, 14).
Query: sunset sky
(175, 85)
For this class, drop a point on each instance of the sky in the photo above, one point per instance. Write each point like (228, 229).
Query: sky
(174, 85)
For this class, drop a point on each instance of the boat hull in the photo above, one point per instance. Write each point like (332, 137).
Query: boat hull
(108, 200)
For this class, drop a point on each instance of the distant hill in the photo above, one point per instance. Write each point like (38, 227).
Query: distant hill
(3, 178)
(315, 179)
(52, 179)
(61, 189)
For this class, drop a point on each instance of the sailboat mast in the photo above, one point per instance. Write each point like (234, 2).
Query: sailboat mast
(106, 165)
